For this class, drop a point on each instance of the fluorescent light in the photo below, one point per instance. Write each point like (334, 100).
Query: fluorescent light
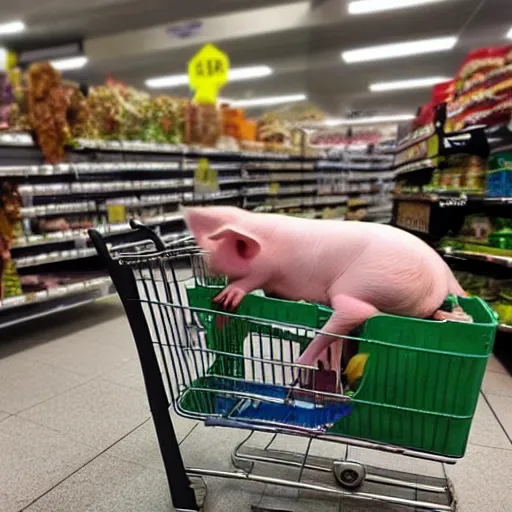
(234, 75)
(69, 63)
(13, 27)
(167, 82)
(369, 120)
(369, 6)
(414, 83)
(396, 50)
(509, 34)
(266, 101)
(249, 73)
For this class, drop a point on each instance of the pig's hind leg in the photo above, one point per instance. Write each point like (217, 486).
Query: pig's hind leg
(348, 314)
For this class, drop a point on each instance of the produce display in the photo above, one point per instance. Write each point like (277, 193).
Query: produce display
(483, 234)
(58, 113)
(10, 227)
(496, 292)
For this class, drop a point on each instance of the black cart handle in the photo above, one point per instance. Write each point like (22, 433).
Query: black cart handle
(137, 225)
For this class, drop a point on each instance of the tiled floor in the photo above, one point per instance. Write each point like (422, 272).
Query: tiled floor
(76, 435)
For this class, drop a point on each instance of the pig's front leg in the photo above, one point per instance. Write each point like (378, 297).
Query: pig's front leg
(348, 314)
(234, 292)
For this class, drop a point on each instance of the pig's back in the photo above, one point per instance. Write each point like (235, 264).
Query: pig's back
(397, 273)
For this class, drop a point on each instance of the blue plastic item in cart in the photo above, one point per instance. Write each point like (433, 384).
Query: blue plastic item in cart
(279, 404)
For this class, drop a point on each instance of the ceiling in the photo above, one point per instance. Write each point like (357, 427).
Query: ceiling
(300, 40)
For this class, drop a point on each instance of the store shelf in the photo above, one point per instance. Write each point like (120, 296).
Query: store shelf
(57, 209)
(53, 257)
(472, 255)
(420, 165)
(87, 168)
(60, 291)
(505, 328)
(148, 178)
(99, 187)
(354, 166)
(17, 310)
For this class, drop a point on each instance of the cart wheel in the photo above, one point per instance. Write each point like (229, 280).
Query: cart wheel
(349, 474)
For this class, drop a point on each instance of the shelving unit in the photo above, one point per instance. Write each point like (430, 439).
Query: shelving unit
(437, 215)
(102, 180)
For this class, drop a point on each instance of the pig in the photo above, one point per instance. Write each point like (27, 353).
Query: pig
(358, 269)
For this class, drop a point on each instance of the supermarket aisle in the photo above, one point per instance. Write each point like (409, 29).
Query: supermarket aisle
(75, 433)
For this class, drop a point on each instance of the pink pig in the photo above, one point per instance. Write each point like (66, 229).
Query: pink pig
(359, 269)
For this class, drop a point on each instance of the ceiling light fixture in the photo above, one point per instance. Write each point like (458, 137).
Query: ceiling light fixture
(13, 27)
(369, 120)
(266, 101)
(397, 50)
(234, 75)
(509, 34)
(370, 6)
(414, 83)
(69, 63)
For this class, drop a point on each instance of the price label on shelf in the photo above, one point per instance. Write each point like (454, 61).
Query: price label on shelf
(116, 213)
(414, 216)
(328, 213)
(273, 189)
(433, 146)
(206, 178)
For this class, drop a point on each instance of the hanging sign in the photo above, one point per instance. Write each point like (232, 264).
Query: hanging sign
(208, 73)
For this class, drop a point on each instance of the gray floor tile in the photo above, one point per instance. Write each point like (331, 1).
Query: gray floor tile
(232, 495)
(4, 415)
(108, 484)
(482, 480)
(129, 375)
(24, 383)
(97, 413)
(502, 407)
(494, 365)
(485, 429)
(497, 384)
(211, 448)
(33, 460)
(208, 447)
(88, 317)
(82, 353)
(141, 446)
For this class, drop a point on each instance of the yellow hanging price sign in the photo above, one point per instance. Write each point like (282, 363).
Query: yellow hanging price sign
(208, 73)
(116, 213)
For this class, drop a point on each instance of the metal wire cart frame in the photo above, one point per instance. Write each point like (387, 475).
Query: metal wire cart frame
(416, 397)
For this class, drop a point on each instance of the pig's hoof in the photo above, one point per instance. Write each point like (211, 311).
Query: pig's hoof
(349, 474)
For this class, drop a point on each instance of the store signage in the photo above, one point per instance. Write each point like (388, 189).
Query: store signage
(206, 179)
(185, 30)
(208, 73)
(414, 216)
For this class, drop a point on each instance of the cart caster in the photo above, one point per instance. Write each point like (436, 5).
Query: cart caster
(349, 474)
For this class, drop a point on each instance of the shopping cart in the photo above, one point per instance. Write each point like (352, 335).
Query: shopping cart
(416, 397)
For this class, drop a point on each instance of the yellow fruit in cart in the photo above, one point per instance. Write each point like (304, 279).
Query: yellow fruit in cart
(355, 368)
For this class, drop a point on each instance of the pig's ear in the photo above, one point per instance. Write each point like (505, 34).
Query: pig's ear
(242, 244)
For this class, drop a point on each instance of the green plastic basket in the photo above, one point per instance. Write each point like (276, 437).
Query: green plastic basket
(421, 381)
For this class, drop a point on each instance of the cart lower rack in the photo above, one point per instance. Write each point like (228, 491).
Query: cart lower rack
(416, 397)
